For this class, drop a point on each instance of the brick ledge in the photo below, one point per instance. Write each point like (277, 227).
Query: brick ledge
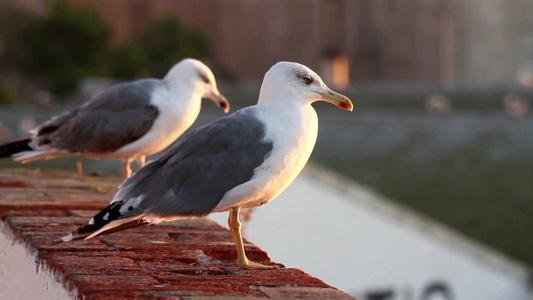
(190, 259)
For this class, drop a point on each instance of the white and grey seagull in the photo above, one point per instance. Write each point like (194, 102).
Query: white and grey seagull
(239, 161)
(128, 121)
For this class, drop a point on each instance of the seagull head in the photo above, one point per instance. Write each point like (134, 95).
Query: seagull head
(197, 76)
(289, 80)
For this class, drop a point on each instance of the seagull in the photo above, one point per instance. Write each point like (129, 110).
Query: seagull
(128, 121)
(240, 161)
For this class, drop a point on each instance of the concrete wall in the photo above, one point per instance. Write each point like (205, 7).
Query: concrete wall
(22, 277)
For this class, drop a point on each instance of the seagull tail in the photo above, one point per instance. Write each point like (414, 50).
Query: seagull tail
(118, 225)
(107, 221)
(73, 236)
(15, 147)
(89, 231)
(110, 219)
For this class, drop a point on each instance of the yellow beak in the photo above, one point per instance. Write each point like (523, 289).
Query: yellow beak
(338, 99)
(219, 100)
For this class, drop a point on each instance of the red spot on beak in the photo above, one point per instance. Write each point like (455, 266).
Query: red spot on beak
(344, 105)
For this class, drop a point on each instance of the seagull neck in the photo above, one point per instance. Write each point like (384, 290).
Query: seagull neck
(282, 108)
(277, 99)
(281, 98)
(183, 90)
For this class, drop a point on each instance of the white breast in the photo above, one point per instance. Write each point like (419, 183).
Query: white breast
(293, 132)
(177, 112)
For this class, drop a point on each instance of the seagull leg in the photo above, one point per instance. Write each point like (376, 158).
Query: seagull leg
(235, 226)
(141, 161)
(79, 169)
(126, 168)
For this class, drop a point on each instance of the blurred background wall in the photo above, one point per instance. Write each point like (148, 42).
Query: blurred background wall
(380, 40)
(442, 92)
(433, 41)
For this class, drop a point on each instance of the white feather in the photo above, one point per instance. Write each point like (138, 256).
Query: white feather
(178, 106)
(293, 130)
(178, 102)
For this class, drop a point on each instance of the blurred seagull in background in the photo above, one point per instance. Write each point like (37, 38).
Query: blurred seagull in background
(128, 121)
(239, 161)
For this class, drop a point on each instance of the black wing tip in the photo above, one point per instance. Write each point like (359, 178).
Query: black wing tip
(89, 228)
(98, 222)
(15, 147)
(81, 233)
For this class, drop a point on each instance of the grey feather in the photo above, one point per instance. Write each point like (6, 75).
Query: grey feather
(193, 176)
(113, 119)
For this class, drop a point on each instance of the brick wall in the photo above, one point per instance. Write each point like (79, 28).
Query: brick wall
(383, 39)
(184, 260)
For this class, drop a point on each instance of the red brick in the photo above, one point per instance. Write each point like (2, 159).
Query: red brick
(123, 295)
(57, 226)
(39, 220)
(13, 184)
(47, 204)
(20, 194)
(101, 282)
(41, 241)
(234, 277)
(88, 214)
(184, 256)
(116, 263)
(172, 291)
(26, 213)
(69, 265)
(229, 252)
(186, 259)
(174, 295)
(292, 292)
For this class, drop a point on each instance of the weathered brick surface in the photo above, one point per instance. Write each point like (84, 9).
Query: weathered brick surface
(192, 259)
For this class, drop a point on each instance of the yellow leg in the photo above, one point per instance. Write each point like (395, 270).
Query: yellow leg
(126, 168)
(235, 226)
(141, 161)
(79, 169)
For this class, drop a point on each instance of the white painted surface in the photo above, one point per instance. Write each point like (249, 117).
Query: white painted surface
(355, 240)
(19, 278)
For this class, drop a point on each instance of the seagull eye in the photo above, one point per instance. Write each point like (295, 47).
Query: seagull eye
(204, 78)
(307, 80)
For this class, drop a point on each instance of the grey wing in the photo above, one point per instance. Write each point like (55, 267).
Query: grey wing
(113, 119)
(193, 176)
